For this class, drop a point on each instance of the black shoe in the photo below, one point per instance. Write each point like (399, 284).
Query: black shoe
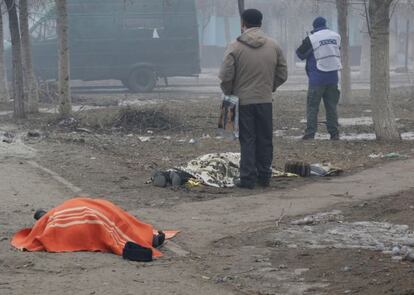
(263, 182)
(158, 240)
(39, 214)
(135, 252)
(179, 178)
(242, 184)
(335, 136)
(161, 179)
(308, 137)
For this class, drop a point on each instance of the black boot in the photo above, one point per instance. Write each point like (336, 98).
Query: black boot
(308, 137)
(335, 136)
(158, 240)
(263, 182)
(244, 184)
(39, 214)
(161, 179)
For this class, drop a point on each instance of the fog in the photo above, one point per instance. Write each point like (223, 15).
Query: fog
(288, 22)
(183, 38)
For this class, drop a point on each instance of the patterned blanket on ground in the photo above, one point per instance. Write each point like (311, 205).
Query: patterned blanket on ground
(219, 169)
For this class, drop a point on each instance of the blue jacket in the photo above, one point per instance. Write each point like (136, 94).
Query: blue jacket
(316, 77)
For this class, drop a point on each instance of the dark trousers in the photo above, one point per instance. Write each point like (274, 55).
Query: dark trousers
(256, 142)
(330, 95)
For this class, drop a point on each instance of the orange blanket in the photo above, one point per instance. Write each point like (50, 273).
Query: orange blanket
(86, 225)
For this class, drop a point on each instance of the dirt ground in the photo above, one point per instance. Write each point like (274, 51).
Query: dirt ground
(118, 163)
(267, 265)
(105, 153)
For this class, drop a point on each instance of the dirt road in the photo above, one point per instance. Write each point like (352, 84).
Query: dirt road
(194, 257)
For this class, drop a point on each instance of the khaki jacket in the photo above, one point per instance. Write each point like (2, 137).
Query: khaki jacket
(253, 68)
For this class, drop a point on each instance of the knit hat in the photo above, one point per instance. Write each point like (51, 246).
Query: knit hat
(252, 17)
(319, 22)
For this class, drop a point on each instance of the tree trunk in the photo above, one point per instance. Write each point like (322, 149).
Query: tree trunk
(342, 8)
(18, 91)
(30, 83)
(4, 93)
(291, 26)
(365, 67)
(383, 115)
(227, 33)
(407, 46)
(65, 105)
(241, 6)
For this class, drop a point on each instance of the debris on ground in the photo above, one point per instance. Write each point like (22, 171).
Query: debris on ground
(394, 156)
(33, 133)
(70, 122)
(329, 230)
(304, 169)
(376, 156)
(7, 137)
(326, 169)
(84, 130)
(144, 138)
(146, 119)
(333, 216)
(299, 168)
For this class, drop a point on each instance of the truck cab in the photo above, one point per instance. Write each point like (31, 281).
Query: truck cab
(134, 41)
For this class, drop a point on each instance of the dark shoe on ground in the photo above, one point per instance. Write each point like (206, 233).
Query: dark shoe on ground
(158, 240)
(39, 214)
(335, 137)
(242, 184)
(161, 179)
(263, 182)
(308, 137)
(179, 178)
(135, 252)
(176, 179)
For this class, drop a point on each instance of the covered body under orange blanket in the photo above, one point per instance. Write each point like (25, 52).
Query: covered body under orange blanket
(82, 224)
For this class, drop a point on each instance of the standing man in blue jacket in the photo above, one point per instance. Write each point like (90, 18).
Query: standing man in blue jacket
(323, 61)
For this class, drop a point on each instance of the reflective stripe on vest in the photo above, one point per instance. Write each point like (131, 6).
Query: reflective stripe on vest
(326, 48)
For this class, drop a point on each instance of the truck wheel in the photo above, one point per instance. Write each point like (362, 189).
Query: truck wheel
(142, 79)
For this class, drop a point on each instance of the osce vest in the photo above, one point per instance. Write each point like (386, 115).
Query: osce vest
(326, 48)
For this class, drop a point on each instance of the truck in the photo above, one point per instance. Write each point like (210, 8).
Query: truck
(134, 41)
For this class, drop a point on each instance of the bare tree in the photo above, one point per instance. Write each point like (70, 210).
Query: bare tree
(30, 83)
(18, 91)
(365, 67)
(4, 93)
(65, 105)
(342, 7)
(383, 115)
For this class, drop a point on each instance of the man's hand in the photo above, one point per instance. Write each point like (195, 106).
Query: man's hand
(305, 49)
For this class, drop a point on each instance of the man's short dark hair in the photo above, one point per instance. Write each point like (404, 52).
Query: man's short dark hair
(252, 18)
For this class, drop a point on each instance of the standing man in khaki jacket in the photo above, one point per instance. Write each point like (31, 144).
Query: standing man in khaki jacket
(254, 67)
